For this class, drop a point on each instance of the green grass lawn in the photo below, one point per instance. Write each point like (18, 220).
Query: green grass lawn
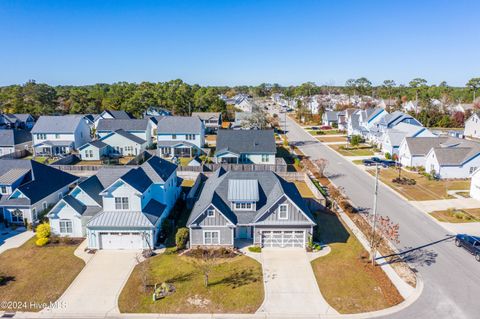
(362, 150)
(235, 286)
(40, 159)
(345, 277)
(38, 274)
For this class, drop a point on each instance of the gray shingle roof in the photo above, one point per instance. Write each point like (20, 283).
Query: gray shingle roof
(180, 125)
(120, 114)
(14, 137)
(207, 115)
(331, 116)
(130, 136)
(423, 145)
(125, 124)
(98, 144)
(271, 188)
(246, 141)
(95, 184)
(57, 124)
(75, 204)
(452, 153)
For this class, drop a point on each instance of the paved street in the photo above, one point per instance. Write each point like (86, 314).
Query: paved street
(290, 284)
(451, 275)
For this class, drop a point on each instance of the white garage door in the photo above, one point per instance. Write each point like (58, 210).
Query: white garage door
(121, 241)
(283, 238)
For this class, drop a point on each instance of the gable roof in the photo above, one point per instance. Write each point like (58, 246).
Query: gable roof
(120, 114)
(180, 125)
(14, 137)
(402, 130)
(455, 154)
(422, 145)
(124, 124)
(57, 124)
(127, 135)
(246, 141)
(105, 176)
(207, 115)
(271, 188)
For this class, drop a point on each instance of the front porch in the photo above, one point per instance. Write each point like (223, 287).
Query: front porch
(53, 148)
(178, 150)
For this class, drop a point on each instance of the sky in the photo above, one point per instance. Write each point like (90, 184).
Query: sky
(238, 42)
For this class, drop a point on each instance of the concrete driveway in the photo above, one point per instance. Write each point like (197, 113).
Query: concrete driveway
(12, 239)
(290, 285)
(96, 289)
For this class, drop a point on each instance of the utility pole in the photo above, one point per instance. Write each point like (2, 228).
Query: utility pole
(375, 195)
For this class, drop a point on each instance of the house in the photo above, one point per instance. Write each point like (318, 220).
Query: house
(256, 206)
(410, 106)
(211, 120)
(28, 188)
(472, 126)
(393, 137)
(119, 208)
(17, 121)
(112, 114)
(138, 127)
(180, 136)
(475, 185)
(342, 120)
(14, 140)
(241, 118)
(118, 143)
(456, 158)
(413, 150)
(330, 118)
(246, 147)
(59, 135)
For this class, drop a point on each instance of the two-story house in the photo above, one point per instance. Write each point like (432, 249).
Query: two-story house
(55, 135)
(27, 188)
(180, 136)
(138, 127)
(472, 126)
(211, 120)
(119, 208)
(17, 121)
(257, 206)
(246, 147)
(112, 114)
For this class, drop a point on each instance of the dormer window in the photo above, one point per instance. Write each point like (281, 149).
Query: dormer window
(243, 206)
(210, 213)
(121, 203)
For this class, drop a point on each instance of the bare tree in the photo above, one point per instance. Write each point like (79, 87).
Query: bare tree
(143, 271)
(321, 164)
(205, 262)
(258, 120)
(385, 230)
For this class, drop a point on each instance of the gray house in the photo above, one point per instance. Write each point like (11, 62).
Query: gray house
(211, 120)
(257, 206)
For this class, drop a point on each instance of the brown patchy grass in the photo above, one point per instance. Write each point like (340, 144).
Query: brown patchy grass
(38, 274)
(362, 150)
(328, 139)
(424, 189)
(235, 286)
(304, 189)
(457, 215)
(349, 283)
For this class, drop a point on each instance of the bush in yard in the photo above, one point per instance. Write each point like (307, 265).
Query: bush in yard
(42, 241)
(181, 238)
(355, 140)
(43, 231)
(388, 156)
(255, 249)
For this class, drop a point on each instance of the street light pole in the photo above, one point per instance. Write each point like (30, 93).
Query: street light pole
(375, 195)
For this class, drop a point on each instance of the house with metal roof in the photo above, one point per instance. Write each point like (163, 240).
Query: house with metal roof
(455, 158)
(258, 206)
(246, 147)
(59, 135)
(212, 121)
(119, 208)
(138, 127)
(14, 140)
(180, 136)
(118, 143)
(27, 188)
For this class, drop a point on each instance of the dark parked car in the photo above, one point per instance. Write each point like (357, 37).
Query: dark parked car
(387, 163)
(470, 243)
(372, 161)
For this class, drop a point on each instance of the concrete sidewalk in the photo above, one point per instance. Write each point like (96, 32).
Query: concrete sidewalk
(12, 239)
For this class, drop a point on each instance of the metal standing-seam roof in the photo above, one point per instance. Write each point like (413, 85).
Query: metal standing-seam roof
(120, 219)
(243, 190)
(13, 175)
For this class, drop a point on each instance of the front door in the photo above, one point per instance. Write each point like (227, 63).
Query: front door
(243, 232)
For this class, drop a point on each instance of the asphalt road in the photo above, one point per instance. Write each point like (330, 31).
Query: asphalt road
(451, 276)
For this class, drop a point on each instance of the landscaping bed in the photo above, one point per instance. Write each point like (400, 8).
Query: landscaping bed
(235, 286)
(361, 150)
(424, 188)
(457, 215)
(38, 274)
(348, 282)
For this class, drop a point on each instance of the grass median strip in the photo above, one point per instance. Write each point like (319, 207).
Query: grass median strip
(457, 215)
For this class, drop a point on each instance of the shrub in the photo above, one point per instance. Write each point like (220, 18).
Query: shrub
(388, 156)
(355, 140)
(43, 231)
(181, 238)
(42, 241)
(404, 181)
(255, 249)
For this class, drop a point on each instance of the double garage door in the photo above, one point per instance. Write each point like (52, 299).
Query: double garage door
(121, 241)
(283, 238)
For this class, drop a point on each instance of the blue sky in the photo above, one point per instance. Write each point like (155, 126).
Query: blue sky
(238, 42)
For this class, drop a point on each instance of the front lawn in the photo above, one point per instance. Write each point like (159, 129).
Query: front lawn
(325, 132)
(332, 139)
(38, 274)
(457, 215)
(424, 189)
(361, 150)
(345, 277)
(235, 286)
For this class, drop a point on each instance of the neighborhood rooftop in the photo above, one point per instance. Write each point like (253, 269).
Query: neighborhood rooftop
(179, 125)
(125, 124)
(246, 141)
(57, 124)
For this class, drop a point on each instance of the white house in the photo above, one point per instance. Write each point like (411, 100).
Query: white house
(472, 126)
(393, 137)
(475, 185)
(211, 120)
(453, 161)
(413, 150)
(180, 136)
(119, 208)
(27, 188)
(330, 118)
(54, 135)
(246, 147)
(138, 127)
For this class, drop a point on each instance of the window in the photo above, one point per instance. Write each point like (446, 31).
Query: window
(4, 189)
(174, 136)
(190, 137)
(41, 136)
(34, 213)
(264, 158)
(283, 211)
(211, 213)
(57, 136)
(44, 204)
(60, 195)
(243, 206)
(66, 227)
(17, 216)
(211, 237)
(473, 169)
(121, 203)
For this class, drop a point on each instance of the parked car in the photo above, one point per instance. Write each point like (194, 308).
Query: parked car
(469, 243)
(325, 127)
(388, 163)
(372, 161)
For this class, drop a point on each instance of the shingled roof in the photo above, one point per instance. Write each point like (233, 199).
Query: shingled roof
(246, 141)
